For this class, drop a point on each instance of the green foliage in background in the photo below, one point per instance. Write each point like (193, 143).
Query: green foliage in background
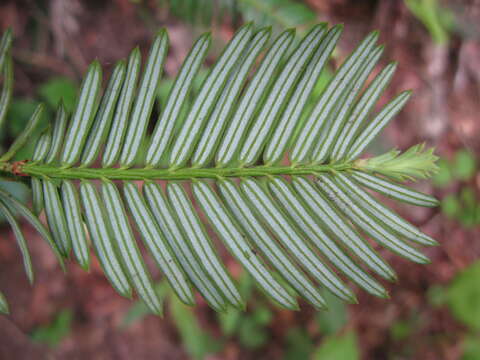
(280, 14)
(52, 334)
(458, 178)
(438, 20)
(252, 328)
(338, 348)
(462, 297)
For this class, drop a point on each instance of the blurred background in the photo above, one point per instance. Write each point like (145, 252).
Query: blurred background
(434, 312)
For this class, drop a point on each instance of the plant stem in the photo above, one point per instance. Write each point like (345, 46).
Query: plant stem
(58, 172)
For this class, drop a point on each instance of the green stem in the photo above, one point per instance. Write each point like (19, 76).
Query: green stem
(57, 172)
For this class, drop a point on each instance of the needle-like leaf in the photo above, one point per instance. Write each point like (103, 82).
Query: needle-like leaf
(238, 205)
(303, 216)
(145, 97)
(128, 249)
(115, 138)
(11, 202)
(208, 95)
(283, 132)
(103, 118)
(22, 244)
(335, 90)
(157, 244)
(163, 133)
(201, 244)
(74, 221)
(279, 96)
(230, 233)
(394, 190)
(83, 115)
(377, 124)
(254, 96)
(102, 237)
(187, 257)
(56, 217)
(292, 239)
(25, 134)
(7, 87)
(41, 149)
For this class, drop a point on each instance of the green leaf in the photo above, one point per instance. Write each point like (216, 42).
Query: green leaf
(53, 333)
(303, 215)
(253, 98)
(104, 115)
(59, 90)
(118, 129)
(74, 222)
(25, 135)
(464, 166)
(5, 45)
(59, 128)
(208, 95)
(197, 342)
(443, 177)
(238, 205)
(37, 195)
(229, 231)
(185, 254)
(103, 241)
(163, 134)
(41, 150)
(337, 86)
(332, 219)
(377, 124)
(290, 118)
(394, 191)
(416, 162)
(83, 115)
(56, 217)
(292, 239)
(22, 244)
(6, 94)
(42, 146)
(278, 96)
(384, 214)
(364, 219)
(437, 19)
(11, 202)
(331, 321)
(156, 243)
(335, 124)
(146, 95)
(130, 254)
(199, 241)
(206, 147)
(361, 110)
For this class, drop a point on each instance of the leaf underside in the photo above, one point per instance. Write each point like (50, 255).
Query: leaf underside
(254, 161)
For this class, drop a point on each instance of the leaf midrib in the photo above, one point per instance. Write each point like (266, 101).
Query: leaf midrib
(82, 173)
